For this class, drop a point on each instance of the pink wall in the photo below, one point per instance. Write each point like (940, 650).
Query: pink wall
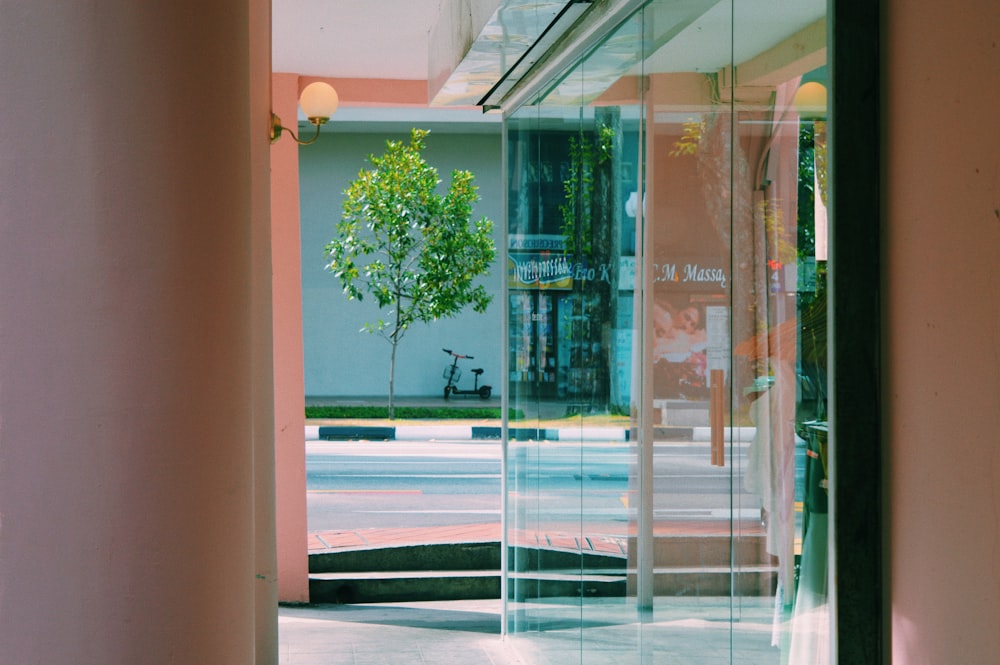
(942, 339)
(127, 358)
(289, 386)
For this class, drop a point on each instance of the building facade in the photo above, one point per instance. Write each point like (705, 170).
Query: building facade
(341, 358)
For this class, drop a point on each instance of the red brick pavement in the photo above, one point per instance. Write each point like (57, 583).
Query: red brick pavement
(490, 532)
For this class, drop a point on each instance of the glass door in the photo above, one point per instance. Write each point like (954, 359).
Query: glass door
(667, 494)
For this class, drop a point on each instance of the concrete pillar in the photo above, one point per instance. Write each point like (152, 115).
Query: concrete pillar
(289, 381)
(126, 331)
(941, 384)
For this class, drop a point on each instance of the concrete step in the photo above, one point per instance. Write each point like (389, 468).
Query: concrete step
(693, 566)
(409, 586)
(436, 557)
(403, 586)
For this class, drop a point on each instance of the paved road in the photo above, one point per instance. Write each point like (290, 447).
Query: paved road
(353, 485)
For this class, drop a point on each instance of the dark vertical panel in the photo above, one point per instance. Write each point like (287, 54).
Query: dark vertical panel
(855, 321)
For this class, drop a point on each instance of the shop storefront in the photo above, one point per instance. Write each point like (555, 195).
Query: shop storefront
(552, 355)
(666, 214)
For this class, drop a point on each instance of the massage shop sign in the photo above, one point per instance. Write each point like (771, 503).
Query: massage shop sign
(691, 276)
(685, 276)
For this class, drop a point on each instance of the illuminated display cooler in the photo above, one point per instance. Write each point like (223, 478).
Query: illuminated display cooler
(532, 341)
(553, 352)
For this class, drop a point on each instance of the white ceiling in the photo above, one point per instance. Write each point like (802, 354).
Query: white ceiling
(388, 39)
(352, 38)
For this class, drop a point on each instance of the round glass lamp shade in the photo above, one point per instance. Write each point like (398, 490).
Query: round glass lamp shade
(810, 101)
(319, 101)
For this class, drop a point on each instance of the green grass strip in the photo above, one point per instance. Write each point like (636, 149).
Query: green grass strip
(409, 412)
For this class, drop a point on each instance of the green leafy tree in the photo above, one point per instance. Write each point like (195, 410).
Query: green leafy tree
(413, 250)
(591, 226)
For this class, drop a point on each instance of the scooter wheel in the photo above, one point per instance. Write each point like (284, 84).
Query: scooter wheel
(485, 392)
(447, 389)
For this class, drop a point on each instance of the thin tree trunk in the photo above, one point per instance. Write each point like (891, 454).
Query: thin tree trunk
(392, 379)
(394, 340)
(606, 207)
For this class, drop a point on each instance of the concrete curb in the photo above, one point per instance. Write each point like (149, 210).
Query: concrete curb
(486, 433)
(460, 433)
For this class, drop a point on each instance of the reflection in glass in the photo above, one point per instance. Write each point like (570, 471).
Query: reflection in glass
(666, 300)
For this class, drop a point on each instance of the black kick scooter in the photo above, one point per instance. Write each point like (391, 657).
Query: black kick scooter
(452, 373)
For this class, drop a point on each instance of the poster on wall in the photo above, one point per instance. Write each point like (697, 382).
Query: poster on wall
(717, 332)
(691, 333)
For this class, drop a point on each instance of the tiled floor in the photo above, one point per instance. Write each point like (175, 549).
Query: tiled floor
(449, 633)
(687, 631)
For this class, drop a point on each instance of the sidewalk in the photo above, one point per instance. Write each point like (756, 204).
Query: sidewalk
(549, 420)
(325, 541)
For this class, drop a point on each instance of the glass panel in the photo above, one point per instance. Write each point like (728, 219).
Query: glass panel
(697, 523)
(667, 344)
(572, 168)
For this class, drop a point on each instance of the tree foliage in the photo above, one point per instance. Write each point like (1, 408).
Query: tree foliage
(591, 228)
(413, 250)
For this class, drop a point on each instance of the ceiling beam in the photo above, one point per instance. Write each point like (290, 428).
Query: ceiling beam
(802, 52)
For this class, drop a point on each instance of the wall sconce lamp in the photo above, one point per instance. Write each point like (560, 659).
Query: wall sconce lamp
(319, 101)
(810, 101)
